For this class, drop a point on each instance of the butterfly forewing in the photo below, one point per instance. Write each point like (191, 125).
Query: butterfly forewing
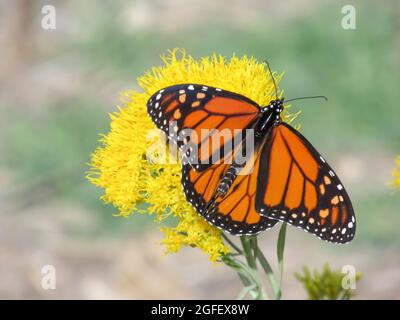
(198, 116)
(296, 185)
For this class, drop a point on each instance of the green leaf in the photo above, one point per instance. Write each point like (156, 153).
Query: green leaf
(270, 274)
(281, 245)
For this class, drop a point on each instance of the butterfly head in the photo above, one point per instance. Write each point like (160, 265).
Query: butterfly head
(276, 105)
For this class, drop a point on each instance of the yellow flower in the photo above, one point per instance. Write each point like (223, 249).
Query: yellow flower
(121, 168)
(396, 173)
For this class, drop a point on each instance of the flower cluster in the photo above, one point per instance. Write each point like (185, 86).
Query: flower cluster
(134, 184)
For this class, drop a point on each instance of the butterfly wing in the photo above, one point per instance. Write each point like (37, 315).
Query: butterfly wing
(296, 185)
(233, 211)
(201, 114)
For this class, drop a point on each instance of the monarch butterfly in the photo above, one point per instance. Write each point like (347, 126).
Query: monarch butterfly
(286, 180)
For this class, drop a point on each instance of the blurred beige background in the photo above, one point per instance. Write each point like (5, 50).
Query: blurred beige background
(57, 87)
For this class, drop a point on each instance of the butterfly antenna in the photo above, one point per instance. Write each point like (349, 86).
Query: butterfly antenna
(309, 97)
(273, 79)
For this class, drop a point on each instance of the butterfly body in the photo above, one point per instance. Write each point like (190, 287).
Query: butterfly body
(269, 115)
(282, 179)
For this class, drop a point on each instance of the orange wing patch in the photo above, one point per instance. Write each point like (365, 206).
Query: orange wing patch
(227, 106)
(295, 188)
(300, 153)
(194, 118)
(278, 171)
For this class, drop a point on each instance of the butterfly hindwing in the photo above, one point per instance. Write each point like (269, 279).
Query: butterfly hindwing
(234, 210)
(296, 185)
(198, 114)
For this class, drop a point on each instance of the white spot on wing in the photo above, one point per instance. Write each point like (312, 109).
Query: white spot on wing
(350, 224)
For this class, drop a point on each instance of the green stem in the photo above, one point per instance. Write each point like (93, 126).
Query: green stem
(246, 290)
(280, 250)
(248, 254)
(231, 243)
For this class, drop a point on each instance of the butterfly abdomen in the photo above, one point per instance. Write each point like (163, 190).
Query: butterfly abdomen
(227, 181)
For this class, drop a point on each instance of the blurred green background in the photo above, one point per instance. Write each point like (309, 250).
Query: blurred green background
(58, 86)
